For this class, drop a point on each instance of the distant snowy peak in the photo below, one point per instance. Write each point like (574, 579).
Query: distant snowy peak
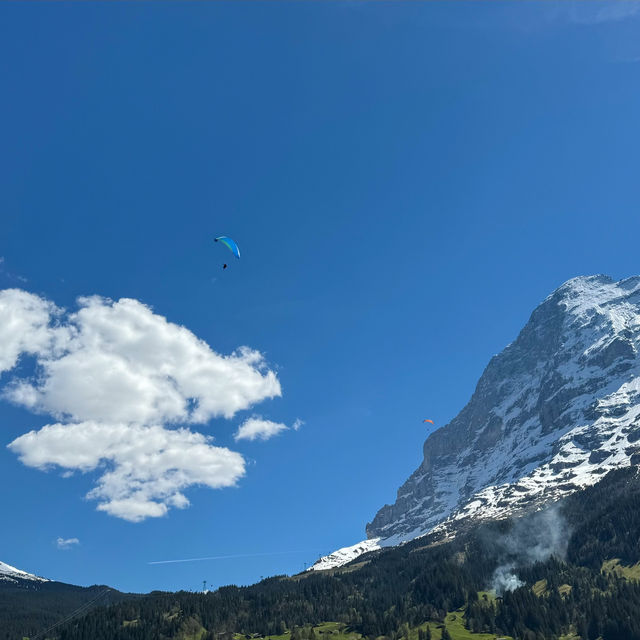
(346, 554)
(11, 574)
(553, 412)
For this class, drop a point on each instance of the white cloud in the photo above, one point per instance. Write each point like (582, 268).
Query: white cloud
(125, 363)
(297, 424)
(257, 428)
(26, 327)
(63, 544)
(115, 375)
(147, 467)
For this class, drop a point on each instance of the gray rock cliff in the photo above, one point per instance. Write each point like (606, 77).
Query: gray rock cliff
(558, 408)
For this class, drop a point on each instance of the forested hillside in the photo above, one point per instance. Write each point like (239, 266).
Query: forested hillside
(28, 608)
(568, 571)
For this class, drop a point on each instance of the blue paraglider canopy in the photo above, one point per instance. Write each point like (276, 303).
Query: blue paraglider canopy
(230, 244)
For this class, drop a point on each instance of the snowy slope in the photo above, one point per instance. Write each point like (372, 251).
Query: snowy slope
(11, 574)
(552, 413)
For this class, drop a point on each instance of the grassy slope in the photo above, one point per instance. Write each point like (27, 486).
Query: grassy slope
(614, 566)
(454, 623)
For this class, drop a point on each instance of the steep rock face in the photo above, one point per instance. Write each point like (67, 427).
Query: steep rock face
(554, 411)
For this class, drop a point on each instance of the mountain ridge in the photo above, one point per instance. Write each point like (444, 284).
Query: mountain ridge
(12, 574)
(31, 605)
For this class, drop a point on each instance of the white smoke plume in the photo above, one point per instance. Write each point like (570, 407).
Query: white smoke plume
(532, 539)
(504, 579)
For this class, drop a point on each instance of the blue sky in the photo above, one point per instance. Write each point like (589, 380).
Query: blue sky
(406, 181)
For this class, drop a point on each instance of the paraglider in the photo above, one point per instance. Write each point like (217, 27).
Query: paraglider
(427, 420)
(231, 245)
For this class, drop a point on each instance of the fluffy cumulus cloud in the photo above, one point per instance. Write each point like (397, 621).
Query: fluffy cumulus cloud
(122, 362)
(149, 467)
(66, 543)
(122, 382)
(257, 428)
(27, 327)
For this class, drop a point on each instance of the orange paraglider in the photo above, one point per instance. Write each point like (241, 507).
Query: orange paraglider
(427, 420)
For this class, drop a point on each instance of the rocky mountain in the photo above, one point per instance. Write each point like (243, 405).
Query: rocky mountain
(552, 413)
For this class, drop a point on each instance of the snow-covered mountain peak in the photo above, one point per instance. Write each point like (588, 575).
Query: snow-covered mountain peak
(553, 412)
(9, 573)
(583, 297)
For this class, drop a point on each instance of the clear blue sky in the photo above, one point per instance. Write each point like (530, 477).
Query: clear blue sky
(407, 181)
